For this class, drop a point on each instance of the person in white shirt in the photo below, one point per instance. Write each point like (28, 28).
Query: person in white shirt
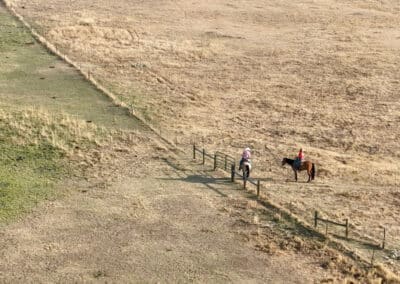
(246, 156)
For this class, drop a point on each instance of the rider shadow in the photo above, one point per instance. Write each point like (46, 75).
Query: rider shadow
(209, 182)
(176, 167)
(201, 179)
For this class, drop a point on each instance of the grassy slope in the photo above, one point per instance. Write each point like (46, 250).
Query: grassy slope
(37, 150)
(37, 146)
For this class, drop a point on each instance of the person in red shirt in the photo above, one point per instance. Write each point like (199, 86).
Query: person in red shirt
(300, 155)
(299, 158)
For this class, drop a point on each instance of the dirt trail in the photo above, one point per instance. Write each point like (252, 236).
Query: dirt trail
(163, 221)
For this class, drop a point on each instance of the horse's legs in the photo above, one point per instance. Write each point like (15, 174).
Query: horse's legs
(295, 174)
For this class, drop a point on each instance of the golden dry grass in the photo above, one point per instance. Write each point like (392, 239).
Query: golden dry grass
(34, 126)
(283, 75)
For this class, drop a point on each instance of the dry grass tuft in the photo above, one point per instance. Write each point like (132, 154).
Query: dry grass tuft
(386, 274)
(34, 126)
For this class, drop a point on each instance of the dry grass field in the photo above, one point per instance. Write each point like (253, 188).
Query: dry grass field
(272, 75)
(283, 75)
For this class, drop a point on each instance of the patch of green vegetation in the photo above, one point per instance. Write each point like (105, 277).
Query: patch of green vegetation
(30, 76)
(27, 176)
(48, 114)
(35, 147)
(12, 33)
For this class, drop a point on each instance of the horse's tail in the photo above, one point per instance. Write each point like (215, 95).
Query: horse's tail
(313, 171)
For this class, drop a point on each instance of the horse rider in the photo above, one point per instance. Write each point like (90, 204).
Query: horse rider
(246, 156)
(299, 159)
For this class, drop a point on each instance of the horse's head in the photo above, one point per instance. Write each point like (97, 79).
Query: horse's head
(284, 161)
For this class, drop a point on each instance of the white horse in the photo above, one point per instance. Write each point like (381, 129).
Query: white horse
(245, 167)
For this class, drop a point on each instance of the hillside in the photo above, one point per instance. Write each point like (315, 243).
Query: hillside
(322, 76)
(272, 75)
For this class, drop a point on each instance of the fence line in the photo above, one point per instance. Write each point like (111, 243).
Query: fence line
(223, 161)
(327, 221)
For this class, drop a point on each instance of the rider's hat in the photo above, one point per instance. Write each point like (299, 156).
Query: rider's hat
(247, 149)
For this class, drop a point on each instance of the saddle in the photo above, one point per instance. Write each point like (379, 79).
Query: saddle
(297, 163)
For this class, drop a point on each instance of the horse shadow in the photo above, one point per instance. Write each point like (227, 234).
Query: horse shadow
(209, 182)
(200, 179)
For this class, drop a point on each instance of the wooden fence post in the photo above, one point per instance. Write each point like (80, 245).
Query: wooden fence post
(373, 257)
(232, 172)
(226, 157)
(315, 219)
(215, 161)
(194, 151)
(204, 156)
(384, 238)
(347, 228)
(258, 188)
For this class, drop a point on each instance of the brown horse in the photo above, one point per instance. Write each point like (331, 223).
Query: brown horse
(306, 165)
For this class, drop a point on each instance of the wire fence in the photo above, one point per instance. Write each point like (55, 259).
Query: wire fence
(322, 224)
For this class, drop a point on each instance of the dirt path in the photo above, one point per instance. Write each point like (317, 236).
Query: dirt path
(162, 222)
